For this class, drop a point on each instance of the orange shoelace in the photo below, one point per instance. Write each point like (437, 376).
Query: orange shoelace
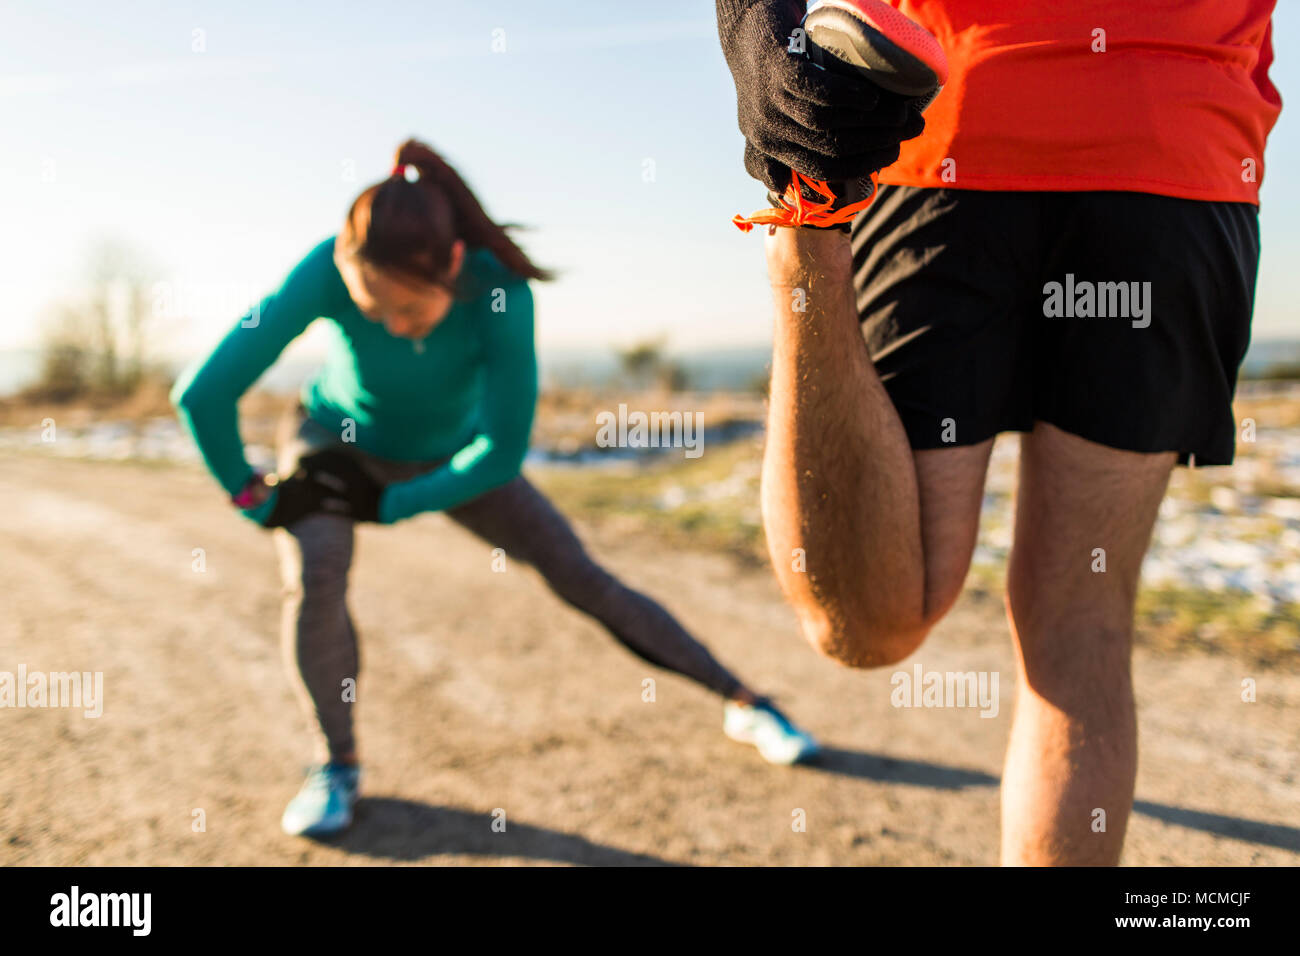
(795, 210)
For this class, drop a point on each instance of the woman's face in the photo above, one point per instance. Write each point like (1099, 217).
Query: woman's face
(408, 309)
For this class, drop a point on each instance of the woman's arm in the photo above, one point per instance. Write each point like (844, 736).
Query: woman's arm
(495, 454)
(207, 393)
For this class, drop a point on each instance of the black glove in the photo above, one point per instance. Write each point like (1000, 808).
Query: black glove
(326, 481)
(828, 126)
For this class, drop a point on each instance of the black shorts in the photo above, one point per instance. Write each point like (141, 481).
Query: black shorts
(1136, 346)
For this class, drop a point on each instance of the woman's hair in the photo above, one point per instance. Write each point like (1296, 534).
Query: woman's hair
(408, 227)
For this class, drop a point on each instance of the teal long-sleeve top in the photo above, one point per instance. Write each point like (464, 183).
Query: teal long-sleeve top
(468, 393)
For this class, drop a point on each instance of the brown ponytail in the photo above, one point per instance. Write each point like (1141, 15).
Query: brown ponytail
(409, 227)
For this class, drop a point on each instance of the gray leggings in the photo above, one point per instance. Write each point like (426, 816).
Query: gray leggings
(320, 643)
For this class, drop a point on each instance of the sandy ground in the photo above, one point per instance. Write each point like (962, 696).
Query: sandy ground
(481, 692)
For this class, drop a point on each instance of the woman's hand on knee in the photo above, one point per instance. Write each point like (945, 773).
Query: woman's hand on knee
(324, 482)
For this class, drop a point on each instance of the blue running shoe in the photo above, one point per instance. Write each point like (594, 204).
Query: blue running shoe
(761, 724)
(324, 804)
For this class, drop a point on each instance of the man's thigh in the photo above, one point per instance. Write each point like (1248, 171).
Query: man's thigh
(950, 486)
(941, 279)
(1084, 517)
(951, 292)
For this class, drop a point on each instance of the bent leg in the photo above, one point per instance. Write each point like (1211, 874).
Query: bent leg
(519, 519)
(318, 641)
(1073, 748)
(869, 540)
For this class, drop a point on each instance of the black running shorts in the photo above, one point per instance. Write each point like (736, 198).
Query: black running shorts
(1119, 317)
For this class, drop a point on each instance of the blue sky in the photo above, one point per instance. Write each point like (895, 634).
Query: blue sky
(607, 127)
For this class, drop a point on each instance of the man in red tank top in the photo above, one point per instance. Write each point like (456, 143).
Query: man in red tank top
(1067, 250)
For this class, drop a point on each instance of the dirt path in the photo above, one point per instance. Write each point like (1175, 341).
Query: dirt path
(481, 691)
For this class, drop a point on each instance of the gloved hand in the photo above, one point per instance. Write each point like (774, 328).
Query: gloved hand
(326, 481)
(826, 125)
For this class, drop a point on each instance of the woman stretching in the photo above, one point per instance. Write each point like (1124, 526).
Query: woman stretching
(424, 403)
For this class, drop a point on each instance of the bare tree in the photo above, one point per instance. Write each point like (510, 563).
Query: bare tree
(646, 363)
(66, 355)
(97, 342)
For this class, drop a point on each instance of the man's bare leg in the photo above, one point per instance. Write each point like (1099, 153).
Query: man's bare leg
(842, 492)
(1073, 748)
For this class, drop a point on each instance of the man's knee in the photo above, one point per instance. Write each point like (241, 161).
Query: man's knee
(1076, 656)
(861, 642)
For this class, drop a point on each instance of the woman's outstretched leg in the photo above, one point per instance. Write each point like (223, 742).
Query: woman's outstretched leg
(519, 519)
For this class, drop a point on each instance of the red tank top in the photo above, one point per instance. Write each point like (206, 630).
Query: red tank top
(1158, 96)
